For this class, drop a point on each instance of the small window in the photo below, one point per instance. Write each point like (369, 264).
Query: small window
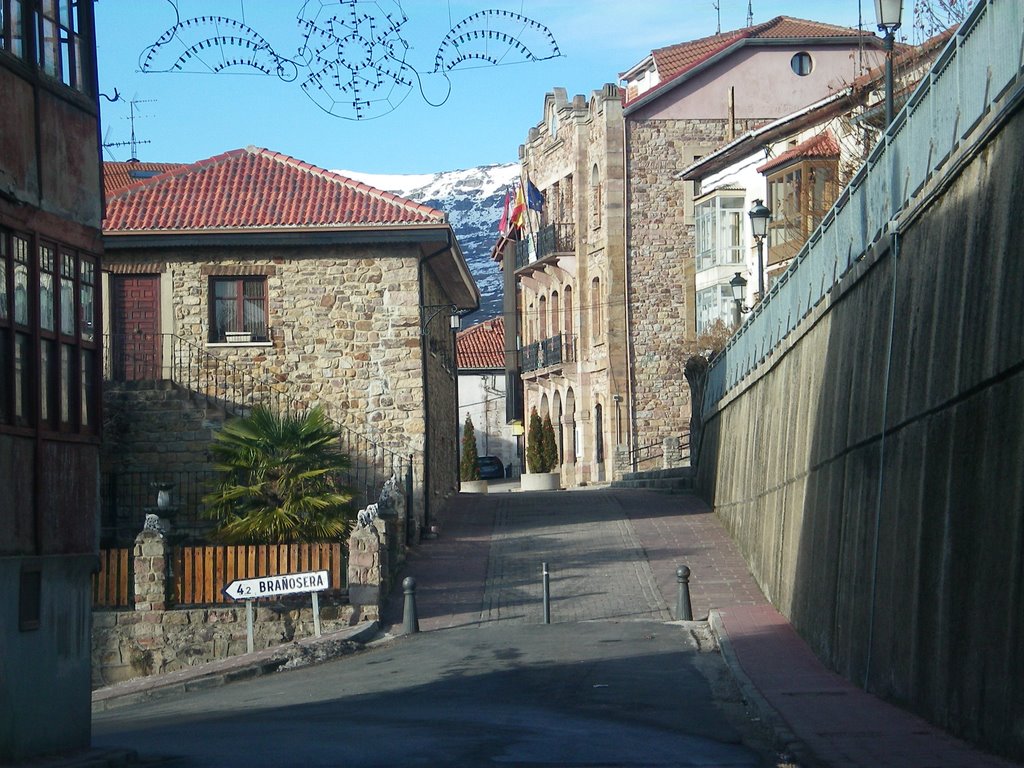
(238, 309)
(30, 599)
(801, 63)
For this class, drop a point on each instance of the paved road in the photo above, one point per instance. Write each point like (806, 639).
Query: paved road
(610, 682)
(635, 693)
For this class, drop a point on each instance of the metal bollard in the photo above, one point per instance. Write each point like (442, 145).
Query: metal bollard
(547, 593)
(410, 623)
(684, 612)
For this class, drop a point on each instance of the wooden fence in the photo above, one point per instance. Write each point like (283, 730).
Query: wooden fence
(112, 585)
(198, 574)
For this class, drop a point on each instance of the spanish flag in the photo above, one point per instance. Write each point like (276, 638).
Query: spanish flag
(518, 217)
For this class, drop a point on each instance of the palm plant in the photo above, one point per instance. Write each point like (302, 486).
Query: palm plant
(280, 479)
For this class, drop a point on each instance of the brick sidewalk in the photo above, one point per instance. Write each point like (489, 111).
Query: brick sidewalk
(613, 553)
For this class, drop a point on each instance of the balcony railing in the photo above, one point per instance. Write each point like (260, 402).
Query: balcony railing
(548, 241)
(551, 351)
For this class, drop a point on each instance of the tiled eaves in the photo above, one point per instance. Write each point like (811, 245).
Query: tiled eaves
(824, 145)
(482, 346)
(676, 62)
(254, 188)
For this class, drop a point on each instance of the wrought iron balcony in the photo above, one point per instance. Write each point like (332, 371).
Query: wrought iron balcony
(551, 351)
(552, 240)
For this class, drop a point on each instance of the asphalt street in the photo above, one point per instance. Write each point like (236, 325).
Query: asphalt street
(599, 693)
(612, 681)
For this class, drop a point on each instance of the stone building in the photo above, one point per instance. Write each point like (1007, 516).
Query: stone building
(682, 102)
(50, 247)
(254, 278)
(569, 275)
(604, 271)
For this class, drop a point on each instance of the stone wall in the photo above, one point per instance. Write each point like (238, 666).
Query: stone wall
(439, 401)
(345, 334)
(660, 247)
(870, 469)
(155, 639)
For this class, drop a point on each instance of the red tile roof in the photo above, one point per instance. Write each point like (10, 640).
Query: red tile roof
(255, 188)
(482, 345)
(675, 60)
(820, 146)
(118, 176)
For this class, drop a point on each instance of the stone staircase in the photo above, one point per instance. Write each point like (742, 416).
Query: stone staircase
(158, 424)
(675, 480)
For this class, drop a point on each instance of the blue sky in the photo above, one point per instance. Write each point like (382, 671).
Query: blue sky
(485, 117)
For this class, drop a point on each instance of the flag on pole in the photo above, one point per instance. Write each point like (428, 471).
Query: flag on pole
(534, 197)
(518, 210)
(503, 224)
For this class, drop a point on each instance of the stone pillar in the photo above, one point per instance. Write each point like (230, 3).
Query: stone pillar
(367, 563)
(671, 455)
(622, 465)
(150, 563)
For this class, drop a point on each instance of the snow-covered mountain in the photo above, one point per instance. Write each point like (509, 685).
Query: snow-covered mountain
(473, 200)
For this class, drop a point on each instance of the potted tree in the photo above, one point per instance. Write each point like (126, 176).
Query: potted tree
(469, 469)
(541, 456)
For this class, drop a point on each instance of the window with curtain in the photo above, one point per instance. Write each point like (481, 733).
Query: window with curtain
(238, 305)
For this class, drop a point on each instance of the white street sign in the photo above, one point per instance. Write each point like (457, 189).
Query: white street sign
(265, 586)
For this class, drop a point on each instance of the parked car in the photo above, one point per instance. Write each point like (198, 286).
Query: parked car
(491, 468)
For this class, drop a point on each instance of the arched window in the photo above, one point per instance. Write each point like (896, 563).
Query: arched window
(595, 309)
(542, 317)
(556, 420)
(595, 196)
(556, 320)
(567, 323)
(570, 427)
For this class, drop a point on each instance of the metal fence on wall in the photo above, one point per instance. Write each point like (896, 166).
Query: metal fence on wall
(978, 66)
(232, 387)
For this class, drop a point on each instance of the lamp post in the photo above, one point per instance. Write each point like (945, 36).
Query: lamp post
(759, 218)
(739, 293)
(888, 13)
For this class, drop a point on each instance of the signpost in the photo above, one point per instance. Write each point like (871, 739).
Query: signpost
(284, 584)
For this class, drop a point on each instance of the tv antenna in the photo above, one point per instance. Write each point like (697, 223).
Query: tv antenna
(718, 10)
(132, 117)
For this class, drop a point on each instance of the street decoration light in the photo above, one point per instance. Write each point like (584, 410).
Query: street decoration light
(759, 218)
(889, 14)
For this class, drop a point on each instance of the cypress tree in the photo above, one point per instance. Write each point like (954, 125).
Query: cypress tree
(468, 467)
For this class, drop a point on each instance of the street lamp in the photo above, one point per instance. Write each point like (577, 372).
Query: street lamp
(888, 13)
(739, 294)
(759, 218)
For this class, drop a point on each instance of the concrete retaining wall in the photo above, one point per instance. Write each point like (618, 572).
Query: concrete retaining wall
(879, 495)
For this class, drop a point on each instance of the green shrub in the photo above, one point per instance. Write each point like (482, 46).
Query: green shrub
(541, 452)
(468, 467)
